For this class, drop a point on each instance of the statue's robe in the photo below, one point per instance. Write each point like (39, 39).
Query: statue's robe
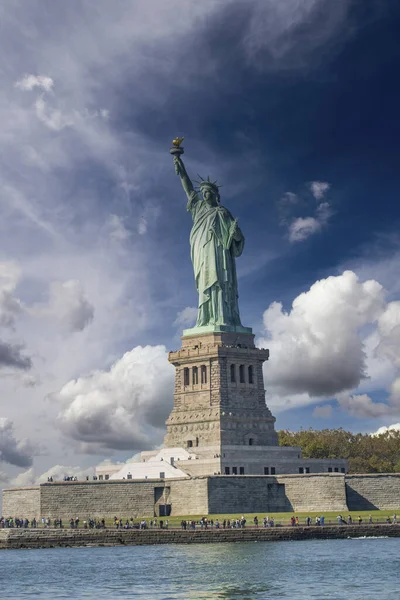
(215, 242)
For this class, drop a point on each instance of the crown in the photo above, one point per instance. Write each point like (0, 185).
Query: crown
(208, 183)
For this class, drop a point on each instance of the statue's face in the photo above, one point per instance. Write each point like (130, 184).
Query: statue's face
(210, 197)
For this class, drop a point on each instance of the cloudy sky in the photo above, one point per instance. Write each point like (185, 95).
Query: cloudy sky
(293, 106)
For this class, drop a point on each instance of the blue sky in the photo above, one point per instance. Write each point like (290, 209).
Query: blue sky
(293, 107)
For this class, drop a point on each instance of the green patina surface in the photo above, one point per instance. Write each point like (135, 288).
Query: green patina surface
(215, 242)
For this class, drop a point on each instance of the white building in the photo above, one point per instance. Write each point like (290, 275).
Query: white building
(155, 464)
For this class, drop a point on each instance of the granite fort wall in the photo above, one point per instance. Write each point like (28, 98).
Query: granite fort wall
(283, 493)
(107, 499)
(189, 496)
(314, 492)
(22, 502)
(98, 499)
(205, 495)
(375, 491)
(123, 498)
(248, 493)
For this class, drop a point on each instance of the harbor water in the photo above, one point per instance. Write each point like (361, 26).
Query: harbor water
(350, 569)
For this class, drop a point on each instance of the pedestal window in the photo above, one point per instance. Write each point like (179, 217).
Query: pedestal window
(185, 376)
(250, 370)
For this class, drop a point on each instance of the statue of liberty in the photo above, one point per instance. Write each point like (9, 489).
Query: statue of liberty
(215, 242)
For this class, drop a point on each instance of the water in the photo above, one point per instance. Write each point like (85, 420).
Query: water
(366, 569)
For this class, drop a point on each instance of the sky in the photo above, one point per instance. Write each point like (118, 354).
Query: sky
(293, 107)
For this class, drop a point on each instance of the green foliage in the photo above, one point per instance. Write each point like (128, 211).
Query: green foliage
(365, 453)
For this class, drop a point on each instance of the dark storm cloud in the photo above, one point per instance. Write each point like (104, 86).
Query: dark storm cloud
(13, 451)
(11, 356)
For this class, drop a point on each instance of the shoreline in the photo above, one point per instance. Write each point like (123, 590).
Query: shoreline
(66, 538)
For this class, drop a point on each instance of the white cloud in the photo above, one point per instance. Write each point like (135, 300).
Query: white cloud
(58, 472)
(28, 82)
(278, 401)
(29, 381)
(124, 407)
(53, 118)
(289, 198)
(389, 329)
(395, 427)
(117, 229)
(285, 206)
(186, 317)
(142, 227)
(362, 406)
(12, 450)
(288, 35)
(10, 306)
(4, 478)
(322, 412)
(303, 227)
(340, 339)
(57, 118)
(381, 372)
(379, 259)
(382, 343)
(324, 212)
(68, 304)
(25, 478)
(316, 348)
(319, 189)
(15, 202)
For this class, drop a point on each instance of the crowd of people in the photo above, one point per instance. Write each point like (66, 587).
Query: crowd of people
(131, 524)
(203, 523)
(235, 523)
(342, 521)
(18, 523)
(72, 478)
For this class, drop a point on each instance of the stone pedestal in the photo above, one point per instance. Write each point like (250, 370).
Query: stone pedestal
(219, 397)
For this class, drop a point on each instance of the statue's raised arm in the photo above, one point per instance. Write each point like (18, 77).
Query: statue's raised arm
(180, 170)
(185, 179)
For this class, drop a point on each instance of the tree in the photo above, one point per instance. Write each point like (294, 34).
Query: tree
(365, 453)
